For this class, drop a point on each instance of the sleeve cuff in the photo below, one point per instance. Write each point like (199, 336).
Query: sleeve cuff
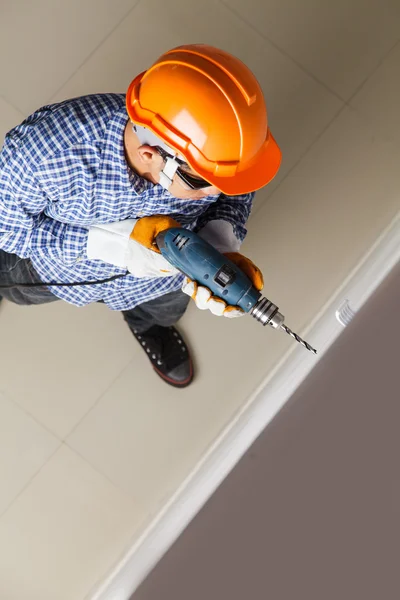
(220, 234)
(109, 242)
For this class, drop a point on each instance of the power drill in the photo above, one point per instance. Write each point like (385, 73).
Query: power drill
(201, 262)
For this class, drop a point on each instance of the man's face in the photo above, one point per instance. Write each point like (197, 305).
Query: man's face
(148, 163)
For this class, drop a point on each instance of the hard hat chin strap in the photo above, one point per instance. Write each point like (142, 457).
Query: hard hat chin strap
(150, 139)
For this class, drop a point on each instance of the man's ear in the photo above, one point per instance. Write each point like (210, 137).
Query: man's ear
(149, 155)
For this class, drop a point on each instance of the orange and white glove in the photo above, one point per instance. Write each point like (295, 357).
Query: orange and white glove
(206, 301)
(131, 244)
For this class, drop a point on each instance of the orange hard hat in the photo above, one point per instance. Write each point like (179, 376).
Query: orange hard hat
(209, 107)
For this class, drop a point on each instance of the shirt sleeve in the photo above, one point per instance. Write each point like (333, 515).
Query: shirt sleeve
(233, 209)
(25, 229)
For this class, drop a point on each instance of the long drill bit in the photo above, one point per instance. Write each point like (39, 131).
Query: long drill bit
(298, 338)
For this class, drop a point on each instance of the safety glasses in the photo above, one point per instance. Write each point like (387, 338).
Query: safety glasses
(191, 181)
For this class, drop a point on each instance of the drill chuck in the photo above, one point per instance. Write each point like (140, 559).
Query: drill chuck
(267, 313)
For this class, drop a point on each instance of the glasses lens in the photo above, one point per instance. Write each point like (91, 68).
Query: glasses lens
(191, 182)
(194, 183)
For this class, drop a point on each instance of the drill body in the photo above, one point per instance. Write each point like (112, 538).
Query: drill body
(203, 263)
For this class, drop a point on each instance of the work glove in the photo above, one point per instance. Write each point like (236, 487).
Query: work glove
(131, 244)
(206, 301)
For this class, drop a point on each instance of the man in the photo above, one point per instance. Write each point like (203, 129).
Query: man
(87, 184)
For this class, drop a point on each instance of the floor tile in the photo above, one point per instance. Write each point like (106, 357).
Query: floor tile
(63, 532)
(57, 359)
(9, 117)
(25, 446)
(379, 98)
(340, 43)
(47, 41)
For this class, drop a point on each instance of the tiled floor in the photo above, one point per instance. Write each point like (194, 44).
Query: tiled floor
(91, 442)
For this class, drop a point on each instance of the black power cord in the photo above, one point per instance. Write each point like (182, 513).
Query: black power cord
(57, 284)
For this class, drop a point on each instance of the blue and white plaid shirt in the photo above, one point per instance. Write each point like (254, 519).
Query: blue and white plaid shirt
(62, 170)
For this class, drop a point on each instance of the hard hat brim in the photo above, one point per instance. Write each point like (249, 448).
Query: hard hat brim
(258, 174)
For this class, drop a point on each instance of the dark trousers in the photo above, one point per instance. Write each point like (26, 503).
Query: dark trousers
(165, 310)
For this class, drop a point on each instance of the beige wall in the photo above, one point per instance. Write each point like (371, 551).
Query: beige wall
(312, 511)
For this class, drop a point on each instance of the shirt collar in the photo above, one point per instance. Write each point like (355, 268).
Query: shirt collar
(115, 175)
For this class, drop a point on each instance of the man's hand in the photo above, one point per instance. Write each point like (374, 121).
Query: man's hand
(143, 256)
(206, 301)
(147, 229)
